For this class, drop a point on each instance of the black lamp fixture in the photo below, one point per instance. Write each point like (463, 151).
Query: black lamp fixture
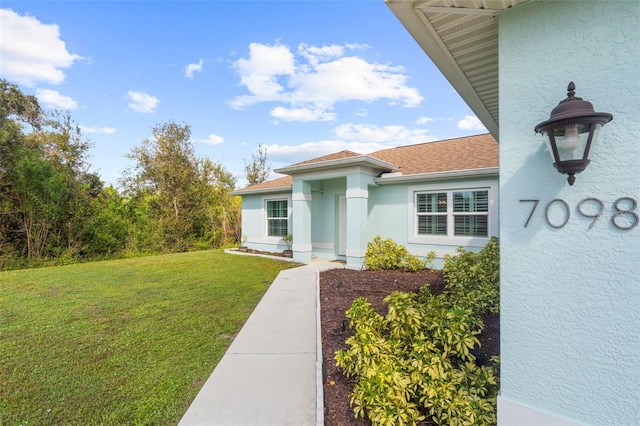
(571, 130)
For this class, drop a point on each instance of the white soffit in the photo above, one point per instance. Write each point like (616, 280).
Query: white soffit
(461, 38)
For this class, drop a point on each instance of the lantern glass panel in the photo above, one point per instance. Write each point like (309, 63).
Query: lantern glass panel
(571, 141)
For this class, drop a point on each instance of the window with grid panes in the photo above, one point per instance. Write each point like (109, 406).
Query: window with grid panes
(453, 213)
(471, 213)
(277, 218)
(432, 213)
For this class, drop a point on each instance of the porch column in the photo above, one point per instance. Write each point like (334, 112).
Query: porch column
(357, 212)
(301, 229)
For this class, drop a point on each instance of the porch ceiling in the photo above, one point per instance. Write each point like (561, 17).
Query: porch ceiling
(461, 38)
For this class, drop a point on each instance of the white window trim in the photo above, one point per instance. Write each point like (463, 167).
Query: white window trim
(266, 238)
(451, 240)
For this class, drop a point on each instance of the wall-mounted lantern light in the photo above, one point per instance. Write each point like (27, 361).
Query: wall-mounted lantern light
(571, 130)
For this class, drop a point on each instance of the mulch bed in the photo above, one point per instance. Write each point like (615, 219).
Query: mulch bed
(338, 289)
(266, 253)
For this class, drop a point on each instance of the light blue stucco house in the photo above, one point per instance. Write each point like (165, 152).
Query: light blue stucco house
(435, 196)
(570, 255)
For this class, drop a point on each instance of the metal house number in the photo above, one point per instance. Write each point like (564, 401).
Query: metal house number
(621, 210)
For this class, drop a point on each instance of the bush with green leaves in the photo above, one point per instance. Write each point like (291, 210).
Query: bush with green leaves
(288, 241)
(389, 255)
(416, 361)
(473, 279)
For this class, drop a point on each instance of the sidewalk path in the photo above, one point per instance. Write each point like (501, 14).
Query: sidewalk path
(268, 376)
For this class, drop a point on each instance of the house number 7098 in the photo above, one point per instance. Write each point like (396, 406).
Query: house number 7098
(621, 210)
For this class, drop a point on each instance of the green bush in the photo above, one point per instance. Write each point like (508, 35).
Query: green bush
(388, 255)
(415, 361)
(473, 279)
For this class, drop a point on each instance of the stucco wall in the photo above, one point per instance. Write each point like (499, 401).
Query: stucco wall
(570, 314)
(254, 221)
(390, 207)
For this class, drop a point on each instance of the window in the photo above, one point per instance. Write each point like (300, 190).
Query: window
(470, 213)
(463, 213)
(277, 218)
(432, 213)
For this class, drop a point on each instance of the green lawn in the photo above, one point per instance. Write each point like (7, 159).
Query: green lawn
(120, 342)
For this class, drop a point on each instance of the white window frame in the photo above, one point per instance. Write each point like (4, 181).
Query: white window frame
(449, 189)
(265, 212)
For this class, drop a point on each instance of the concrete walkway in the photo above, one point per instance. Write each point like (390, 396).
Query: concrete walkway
(271, 373)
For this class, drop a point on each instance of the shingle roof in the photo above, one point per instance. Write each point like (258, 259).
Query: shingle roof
(467, 153)
(336, 156)
(283, 182)
(473, 152)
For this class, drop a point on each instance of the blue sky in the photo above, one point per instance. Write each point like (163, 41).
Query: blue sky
(303, 78)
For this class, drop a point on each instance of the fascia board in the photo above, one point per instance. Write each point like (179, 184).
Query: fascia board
(455, 174)
(363, 160)
(336, 173)
(262, 191)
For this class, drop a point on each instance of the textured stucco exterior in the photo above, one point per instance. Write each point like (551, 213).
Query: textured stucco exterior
(254, 221)
(391, 212)
(570, 296)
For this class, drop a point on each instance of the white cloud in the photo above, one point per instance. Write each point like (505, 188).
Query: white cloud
(142, 102)
(470, 122)
(191, 69)
(213, 140)
(53, 99)
(392, 135)
(359, 138)
(32, 52)
(317, 79)
(315, 54)
(100, 130)
(289, 154)
(302, 114)
(424, 120)
(261, 71)
(352, 78)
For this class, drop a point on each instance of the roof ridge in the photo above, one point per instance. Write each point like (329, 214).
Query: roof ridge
(327, 157)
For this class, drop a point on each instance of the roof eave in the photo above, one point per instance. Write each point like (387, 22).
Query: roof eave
(363, 160)
(261, 190)
(453, 174)
(433, 46)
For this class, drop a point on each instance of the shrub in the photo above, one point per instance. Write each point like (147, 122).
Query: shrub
(417, 360)
(288, 241)
(473, 279)
(388, 255)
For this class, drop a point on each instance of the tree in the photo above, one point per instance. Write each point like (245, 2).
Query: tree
(225, 208)
(180, 188)
(258, 170)
(108, 228)
(45, 185)
(14, 106)
(15, 103)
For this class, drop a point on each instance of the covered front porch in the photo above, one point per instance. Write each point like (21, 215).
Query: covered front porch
(330, 208)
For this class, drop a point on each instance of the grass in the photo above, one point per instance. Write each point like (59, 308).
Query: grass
(121, 342)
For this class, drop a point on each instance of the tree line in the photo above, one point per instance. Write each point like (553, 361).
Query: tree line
(54, 209)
